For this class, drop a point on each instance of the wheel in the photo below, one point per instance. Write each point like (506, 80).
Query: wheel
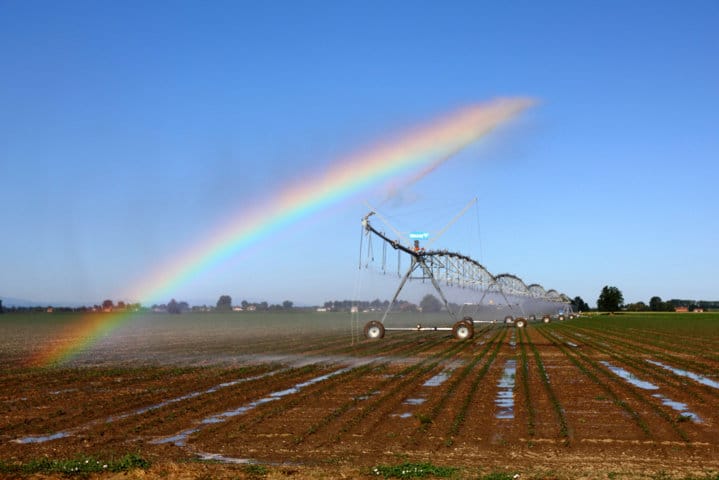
(374, 330)
(463, 330)
(520, 323)
(532, 318)
(560, 318)
(508, 319)
(546, 319)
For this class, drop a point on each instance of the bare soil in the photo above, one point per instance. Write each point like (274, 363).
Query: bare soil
(323, 406)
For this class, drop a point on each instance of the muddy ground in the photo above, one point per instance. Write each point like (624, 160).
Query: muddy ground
(563, 400)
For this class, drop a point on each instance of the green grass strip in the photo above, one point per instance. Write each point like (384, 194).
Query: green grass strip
(78, 466)
(412, 470)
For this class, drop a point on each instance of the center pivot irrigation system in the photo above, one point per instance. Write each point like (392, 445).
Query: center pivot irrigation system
(455, 270)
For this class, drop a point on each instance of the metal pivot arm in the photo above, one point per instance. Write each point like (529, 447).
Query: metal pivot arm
(411, 269)
(428, 273)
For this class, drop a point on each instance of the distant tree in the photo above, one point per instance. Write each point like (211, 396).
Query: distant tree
(287, 305)
(224, 303)
(107, 305)
(262, 306)
(173, 307)
(1, 309)
(610, 299)
(244, 304)
(656, 304)
(637, 307)
(579, 304)
(430, 304)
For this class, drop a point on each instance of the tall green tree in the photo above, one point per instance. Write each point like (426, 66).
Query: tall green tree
(610, 299)
(173, 307)
(656, 304)
(224, 303)
(579, 304)
(430, 303)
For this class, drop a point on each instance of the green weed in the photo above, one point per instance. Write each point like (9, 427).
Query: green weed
(76, 466)
(412, 470)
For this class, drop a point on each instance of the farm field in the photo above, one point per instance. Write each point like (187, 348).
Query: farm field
(305, 396)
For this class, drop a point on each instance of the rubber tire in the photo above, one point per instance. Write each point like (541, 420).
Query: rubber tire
(560, 318)
(509, 319)
(463, 330)
(520, 323)
(374, 330)
(532, 318)
(546, 319)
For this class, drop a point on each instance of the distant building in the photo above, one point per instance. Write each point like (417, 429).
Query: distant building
(681, 309)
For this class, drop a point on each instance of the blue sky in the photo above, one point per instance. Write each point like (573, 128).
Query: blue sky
(129, 130)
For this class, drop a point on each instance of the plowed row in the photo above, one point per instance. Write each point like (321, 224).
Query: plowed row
(316, 400)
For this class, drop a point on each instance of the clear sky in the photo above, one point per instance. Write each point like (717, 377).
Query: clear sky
(131, 130)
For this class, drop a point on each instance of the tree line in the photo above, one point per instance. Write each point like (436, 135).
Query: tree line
(610, 299)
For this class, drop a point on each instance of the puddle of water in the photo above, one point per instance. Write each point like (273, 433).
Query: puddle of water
(221, 458)
(42, 438)
(438, 379)
(180, 439)
(680, 407)
(505, 395)
(68, 390)
(367, 395)
(402, 415)
(630, 377)
(684, 373)
(573, 345)
(415, 401)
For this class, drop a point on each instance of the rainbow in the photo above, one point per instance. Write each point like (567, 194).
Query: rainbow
(419, 150)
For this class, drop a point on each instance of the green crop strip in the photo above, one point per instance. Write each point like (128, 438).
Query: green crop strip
(407, 376)
(296, 400)
(589, 373)
(660, 375)
(326, 420)
(563, 427)
(641, 398)
(456, 381)
(658, 352)
(461, 415)
(531, 413)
